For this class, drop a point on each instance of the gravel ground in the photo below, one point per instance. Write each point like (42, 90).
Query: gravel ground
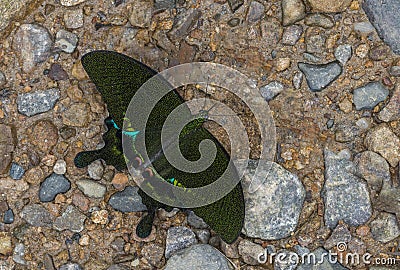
(328, 70)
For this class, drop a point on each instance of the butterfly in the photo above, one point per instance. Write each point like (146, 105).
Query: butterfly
(118, 77)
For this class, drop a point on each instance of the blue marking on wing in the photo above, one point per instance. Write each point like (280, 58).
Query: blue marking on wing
(131, 134)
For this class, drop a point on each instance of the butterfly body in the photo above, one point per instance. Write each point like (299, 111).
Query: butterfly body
(118, 77)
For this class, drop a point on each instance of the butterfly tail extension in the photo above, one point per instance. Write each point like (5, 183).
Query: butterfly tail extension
(144, 227)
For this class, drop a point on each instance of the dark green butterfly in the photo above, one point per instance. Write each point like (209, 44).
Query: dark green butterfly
(118, 77)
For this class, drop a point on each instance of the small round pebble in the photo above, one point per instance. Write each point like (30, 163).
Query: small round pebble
(53, 185)
(96, 170)
(8, 216)
(60, 167)
(16, 171)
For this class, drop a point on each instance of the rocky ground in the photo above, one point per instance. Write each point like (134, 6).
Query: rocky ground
(328, 70)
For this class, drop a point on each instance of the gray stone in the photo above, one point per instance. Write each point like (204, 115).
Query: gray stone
(37, 216)
(391, 112)
(384, 142)
(163, 4)
(96, 170)
(385, 228)
(16, 171)
(320, 262)
(154, 255)
(70, 3)
(235, 4)
(340, 234)
(70, 266)
(195, 221)
(292, 11)
(256, 11)
(386, 20)
(273, 209)
(19, 253)
(178, 238)
(66, 41)
(184, 24)
(8, 216)
(141, 13)
(320, 76)
(343, 53)
(315, 41)
(33, 44)
(203, 235)
(292, 34)
(309, 57)
(30, 104)
(363, 123)
(198, 257)
(319, 19)
(72, 219)
(330, 123)
(250, 252)
(346, 133)
(77, 115)
(3, 79)
(354, 207)
(271, 90)
(127, 200)
(297, 80)
(395, 71)
(373, 168)
(285, 260)
(73, 18)
(364, 28)
(53, 185)
(91, 188)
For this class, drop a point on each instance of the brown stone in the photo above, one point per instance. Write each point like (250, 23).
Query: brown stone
(77, 115)
(7, 145)
(119, 181)
(80, 201)
(5, 243)
(328, 5)
(44, 135)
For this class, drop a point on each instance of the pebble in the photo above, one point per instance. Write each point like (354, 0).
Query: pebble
(70, 266)
(391, 112)
(60, 167)
(66, 41)
(182, 27)
(292, 34)
(119, 181)
(30, 104)
(235, 4)
(271, 90)
(80, 201)
(160, 5)
(346, 106)
(195, 221)
(72, 219)
(330, 123)
(395, 71)
(230, 250)
(53, 185)
(250, 251)
(385, 227)
(282, 64)
(255, 12)
(292, 11)
(178, 238)
(44, 135)
(370, 95)
(385, 20)
(16, 171)
(5, 243)
(70, 3)
(100, 217)
(198, 257)
(77, 115)
(379, 53)
(384, 142)
(3, 79)
(315, 41)
(73, 18)
(362, 50)
(320, 76)
(297, 80)
(154, 254)
(340, 234)
(141, 14)
(287, 263)
(19, 253)
(311, 58)
(373, 168)
(96, 170)
(319, 19)
(234, 22)
(67, 132)
(340, 176)
(364, 28)
(329, 6)
(91, 188)
(203, 235)
(127, 200)
(36, 215)
(8, 217)
(57, 73)
(33, 44)
(343, 53)
(273, 210)
(364, 123)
